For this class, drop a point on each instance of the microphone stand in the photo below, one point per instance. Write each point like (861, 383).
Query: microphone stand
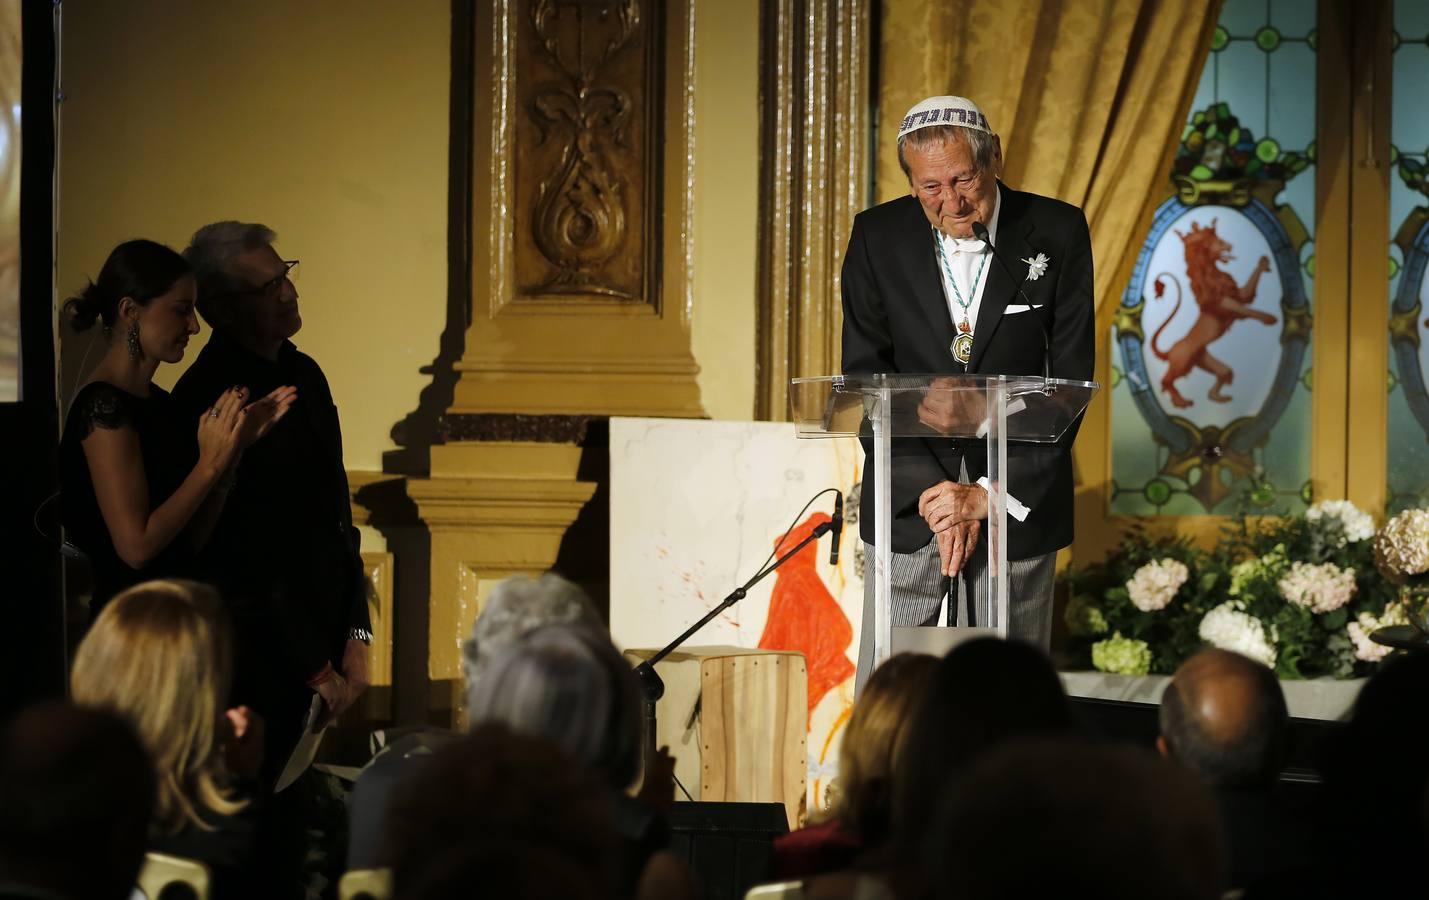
(650, 682)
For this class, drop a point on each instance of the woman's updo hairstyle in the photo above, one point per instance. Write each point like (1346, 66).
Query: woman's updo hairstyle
(139, 269)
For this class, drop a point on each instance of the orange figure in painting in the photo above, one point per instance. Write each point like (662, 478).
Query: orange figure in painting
(1222, 303)
(804, 616)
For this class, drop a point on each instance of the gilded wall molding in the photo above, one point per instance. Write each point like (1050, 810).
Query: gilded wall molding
(508, 427)
(377, 567)
(582, 187)
(814, 176)
(483, 530)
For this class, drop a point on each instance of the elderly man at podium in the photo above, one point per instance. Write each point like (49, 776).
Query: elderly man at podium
(966, 276)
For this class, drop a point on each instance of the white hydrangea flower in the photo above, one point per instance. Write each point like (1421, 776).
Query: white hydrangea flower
(1154, 584)
(1357, 524)
(1366, 624)
(1231, 629)
(1318, 588)
(1402, 546)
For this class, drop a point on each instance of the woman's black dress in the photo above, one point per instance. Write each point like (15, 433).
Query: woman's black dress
(170, 450)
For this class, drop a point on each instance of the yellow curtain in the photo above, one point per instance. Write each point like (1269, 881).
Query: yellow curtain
(1089, 97)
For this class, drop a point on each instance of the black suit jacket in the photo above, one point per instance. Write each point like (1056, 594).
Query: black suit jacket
(896, 319)
(284, 552)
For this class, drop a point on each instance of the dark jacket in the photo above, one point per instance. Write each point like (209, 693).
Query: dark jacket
(896, 320)
(228, 846)
(285, 552)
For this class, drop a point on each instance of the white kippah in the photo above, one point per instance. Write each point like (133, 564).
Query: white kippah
(944, 111)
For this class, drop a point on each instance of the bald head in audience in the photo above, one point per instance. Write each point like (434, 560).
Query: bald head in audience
(1223, 716)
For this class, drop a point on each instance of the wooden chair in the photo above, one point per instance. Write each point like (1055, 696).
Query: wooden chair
(365, 884)
(776, 890)
(164, 877)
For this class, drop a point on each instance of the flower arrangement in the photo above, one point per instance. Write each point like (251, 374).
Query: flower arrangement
(1300, 593)
(1401, 554)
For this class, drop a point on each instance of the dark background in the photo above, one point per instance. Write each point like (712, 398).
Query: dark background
(33, 623)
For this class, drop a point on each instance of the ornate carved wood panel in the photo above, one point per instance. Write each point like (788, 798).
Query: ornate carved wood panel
(587, 110)
(582, 177)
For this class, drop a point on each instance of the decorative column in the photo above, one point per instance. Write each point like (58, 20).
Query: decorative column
(582, 181)
(580, 238)
(499, 508)
(814, 178)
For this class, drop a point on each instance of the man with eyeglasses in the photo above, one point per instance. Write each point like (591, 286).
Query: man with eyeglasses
(285, 552)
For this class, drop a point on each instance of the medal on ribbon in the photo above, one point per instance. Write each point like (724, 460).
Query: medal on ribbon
(962, 345)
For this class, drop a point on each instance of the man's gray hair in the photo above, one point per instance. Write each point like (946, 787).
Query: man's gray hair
(982, 144)
(213, 252)
(569, 685)
(517, 606)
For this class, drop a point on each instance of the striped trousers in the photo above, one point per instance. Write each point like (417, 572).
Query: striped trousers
(915, 597)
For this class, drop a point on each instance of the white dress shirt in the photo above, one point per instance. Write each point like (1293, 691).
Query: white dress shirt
(966, 256)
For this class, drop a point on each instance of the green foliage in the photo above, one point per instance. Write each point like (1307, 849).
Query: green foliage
(1121, 655)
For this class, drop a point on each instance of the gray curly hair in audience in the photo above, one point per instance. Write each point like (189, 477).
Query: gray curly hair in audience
(569, 685)
(517, 606)
(213, 252)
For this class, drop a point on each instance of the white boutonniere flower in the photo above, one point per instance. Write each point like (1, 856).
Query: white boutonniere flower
(1037, 266)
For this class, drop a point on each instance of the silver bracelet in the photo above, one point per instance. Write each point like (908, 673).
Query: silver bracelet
(360, 634)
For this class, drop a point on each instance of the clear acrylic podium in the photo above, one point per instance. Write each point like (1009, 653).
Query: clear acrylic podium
(994, 409)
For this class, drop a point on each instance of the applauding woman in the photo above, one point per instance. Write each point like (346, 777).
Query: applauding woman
(138, 497)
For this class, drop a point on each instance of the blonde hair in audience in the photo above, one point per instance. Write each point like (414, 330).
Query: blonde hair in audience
(862, 794)
(159, 655)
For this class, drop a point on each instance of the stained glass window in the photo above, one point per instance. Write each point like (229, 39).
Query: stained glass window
(1408, 438)
(1211, 375)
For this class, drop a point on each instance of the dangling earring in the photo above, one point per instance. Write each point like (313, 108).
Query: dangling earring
(131, 338)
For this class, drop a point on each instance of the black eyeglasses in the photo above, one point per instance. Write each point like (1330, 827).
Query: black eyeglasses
(275, 284)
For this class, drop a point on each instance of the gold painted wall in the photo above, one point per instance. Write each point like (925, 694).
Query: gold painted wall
(326, 120)
(329, 122)
(726, 203)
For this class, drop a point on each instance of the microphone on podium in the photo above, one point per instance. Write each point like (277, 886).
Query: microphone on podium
(836, 527)
(980, 232)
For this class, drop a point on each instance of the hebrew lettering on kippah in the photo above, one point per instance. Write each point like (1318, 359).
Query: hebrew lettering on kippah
(950, 115)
